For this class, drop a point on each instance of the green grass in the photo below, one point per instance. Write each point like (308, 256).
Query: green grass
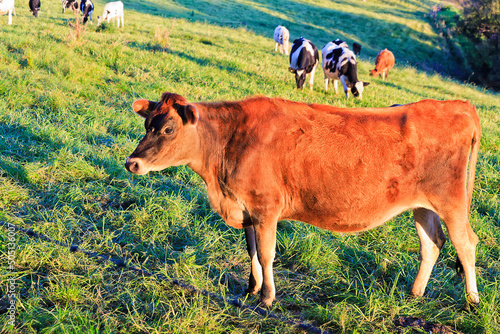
(66, 127)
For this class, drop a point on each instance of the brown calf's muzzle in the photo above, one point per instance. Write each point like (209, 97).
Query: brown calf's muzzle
(135, 165)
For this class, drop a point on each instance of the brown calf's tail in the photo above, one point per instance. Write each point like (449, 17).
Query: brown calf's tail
(473, 159)
(474, 151)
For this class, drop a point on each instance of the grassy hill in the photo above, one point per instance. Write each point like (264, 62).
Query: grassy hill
(66, 127)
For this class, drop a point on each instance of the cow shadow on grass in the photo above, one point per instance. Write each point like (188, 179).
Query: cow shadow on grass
(23, 153)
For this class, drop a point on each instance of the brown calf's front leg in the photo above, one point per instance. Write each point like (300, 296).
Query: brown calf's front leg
(265, 240)
(432, 240)
(255, 281)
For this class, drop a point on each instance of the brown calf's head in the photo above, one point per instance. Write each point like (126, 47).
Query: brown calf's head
(170, 134)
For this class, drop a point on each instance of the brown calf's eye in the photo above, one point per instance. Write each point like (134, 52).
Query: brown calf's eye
(169, 131)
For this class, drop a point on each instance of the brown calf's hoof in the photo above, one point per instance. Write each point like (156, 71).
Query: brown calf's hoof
(471, 304)
(473, 298)
(266, 303)
(251, 291)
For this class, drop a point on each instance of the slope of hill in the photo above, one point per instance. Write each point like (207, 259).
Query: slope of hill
(66, 128)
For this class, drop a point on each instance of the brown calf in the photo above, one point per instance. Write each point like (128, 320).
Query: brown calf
(383, 63)
(344, 170)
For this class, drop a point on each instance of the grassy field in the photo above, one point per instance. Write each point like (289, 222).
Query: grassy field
(66, 127)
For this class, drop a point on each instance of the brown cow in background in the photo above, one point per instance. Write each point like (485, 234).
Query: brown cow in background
(383, 63)
(345, 170)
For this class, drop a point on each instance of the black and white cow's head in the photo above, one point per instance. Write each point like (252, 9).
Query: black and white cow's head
(34, 7)
(340, 43)
(304, 58)
(357, 87)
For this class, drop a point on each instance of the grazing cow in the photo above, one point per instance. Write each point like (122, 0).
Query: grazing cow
(356, 48)
(383, 63)
(281, 37)
(112, 10)
(87, 9)
(339, 63)
(304, 59)
(34, 7)
(345, 170)
(69, 4)
(7, 7)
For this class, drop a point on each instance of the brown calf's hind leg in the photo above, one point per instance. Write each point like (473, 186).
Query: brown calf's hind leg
(255, 281)
(464, 240)
(432, 240)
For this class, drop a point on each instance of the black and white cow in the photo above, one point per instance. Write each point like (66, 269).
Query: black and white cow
(87, 8)
(70, 4)
(34, 7)
(339, 63)
(281, 37)
(304, 59)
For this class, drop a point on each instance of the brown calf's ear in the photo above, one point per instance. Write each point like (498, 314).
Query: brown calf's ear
(365, 84)
(191, 114)
(143, 107)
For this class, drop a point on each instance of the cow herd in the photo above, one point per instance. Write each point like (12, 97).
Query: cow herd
(339, 62)
(111, 11)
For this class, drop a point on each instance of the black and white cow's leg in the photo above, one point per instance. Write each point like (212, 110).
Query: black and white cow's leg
(311, 76)
(255, 281)
(432, 240)
(326, 81)
(346, 89)
(336, 86)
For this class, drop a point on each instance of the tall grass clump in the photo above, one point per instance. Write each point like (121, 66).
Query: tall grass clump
(162, 36)
(78, 29)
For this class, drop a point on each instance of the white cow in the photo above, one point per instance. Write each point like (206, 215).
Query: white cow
(281, 37)
(7, 7)
(112, 10)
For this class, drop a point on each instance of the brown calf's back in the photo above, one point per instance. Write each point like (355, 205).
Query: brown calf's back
(343, 170)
